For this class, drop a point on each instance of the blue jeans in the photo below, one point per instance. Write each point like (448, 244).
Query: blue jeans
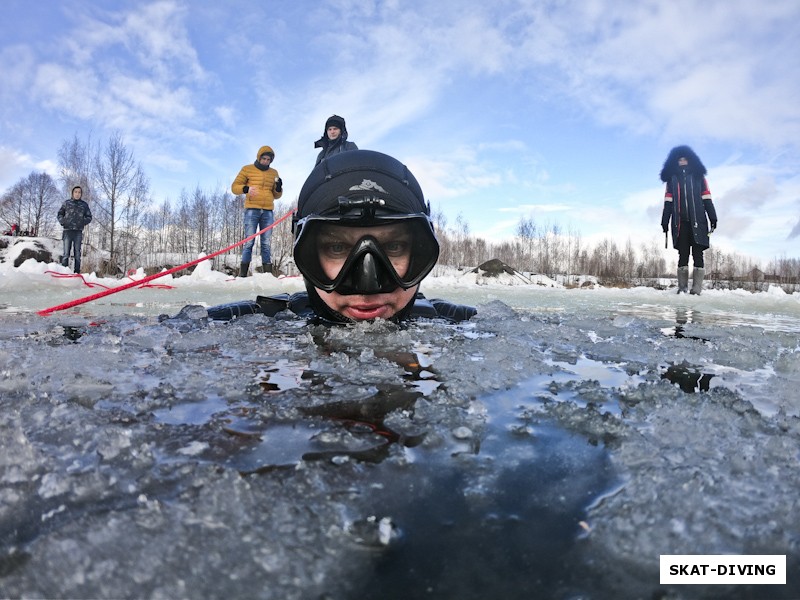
(255, 219)
(72, 241)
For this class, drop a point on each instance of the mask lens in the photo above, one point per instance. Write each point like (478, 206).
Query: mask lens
(396, 252)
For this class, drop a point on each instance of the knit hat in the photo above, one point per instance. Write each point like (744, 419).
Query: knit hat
(357, 173)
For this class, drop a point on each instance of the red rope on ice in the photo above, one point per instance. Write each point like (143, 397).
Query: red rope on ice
(89, 284)
(108, 291)
(157, 286)
(94, 284)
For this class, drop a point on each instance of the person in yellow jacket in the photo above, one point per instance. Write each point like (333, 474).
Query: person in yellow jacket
(261, 185)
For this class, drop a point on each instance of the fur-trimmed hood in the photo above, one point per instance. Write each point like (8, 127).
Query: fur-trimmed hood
(336, 121)
(671, 164)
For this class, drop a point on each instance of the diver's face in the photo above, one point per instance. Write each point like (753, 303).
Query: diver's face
(335, 244)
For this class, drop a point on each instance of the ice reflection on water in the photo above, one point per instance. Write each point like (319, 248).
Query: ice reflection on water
(682, 316)
(357, 428)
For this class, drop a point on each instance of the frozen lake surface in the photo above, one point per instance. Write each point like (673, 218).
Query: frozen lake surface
(553, 447)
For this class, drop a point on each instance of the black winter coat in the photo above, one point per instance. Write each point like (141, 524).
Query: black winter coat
(687, 200)
(335, 147)
(687, 203)
(74, 215)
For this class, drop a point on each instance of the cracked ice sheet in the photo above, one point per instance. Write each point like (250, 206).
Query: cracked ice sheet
(124, 440)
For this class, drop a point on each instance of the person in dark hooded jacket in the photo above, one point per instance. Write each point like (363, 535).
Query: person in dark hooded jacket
(688, 205)
(334, 139)
(73, 216)
(364, 241)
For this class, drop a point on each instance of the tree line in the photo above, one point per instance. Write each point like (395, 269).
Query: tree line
(130, 229)
(549, 250)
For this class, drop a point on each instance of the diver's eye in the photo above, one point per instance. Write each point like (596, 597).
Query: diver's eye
(335, 249)
(395, 248)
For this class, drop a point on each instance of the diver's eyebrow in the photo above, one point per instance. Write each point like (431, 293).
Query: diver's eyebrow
(331, 234)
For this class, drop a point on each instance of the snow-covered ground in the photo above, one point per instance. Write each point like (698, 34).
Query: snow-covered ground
(554, 446)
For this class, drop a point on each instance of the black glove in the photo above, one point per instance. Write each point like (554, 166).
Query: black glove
(713, 225)
(278, 185)
(664, 228)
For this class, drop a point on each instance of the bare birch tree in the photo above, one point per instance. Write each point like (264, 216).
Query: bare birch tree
(75, 165)
(526, 234)
(136, 202)
(116, 174)
(32, 204)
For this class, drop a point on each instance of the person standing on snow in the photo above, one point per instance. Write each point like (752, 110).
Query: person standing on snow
(261, 185)
(334, 139)
(364, 241)
(688, 204)
(74, 215)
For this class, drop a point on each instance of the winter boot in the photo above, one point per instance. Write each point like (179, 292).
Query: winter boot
(265, 268)
(683, 280)
(697, 281)
(243, 269)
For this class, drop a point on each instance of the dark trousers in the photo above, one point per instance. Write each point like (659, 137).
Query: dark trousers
(72, 242)
(685, 244)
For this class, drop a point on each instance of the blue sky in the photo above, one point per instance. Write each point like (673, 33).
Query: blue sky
(558, 111)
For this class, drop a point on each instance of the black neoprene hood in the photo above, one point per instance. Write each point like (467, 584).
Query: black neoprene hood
(360, 173)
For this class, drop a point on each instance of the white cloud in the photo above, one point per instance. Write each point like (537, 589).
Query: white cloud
(159, 37)
(128, 70)
(153, 37)
(16, 65)
(497, 231)
(14, 165)
(712, 68)
(64, 89)
(534, 209)
(226, 114)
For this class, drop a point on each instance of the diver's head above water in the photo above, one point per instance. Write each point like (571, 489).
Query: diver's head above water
(364, 239)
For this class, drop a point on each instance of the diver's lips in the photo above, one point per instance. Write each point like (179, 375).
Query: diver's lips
(368, 311)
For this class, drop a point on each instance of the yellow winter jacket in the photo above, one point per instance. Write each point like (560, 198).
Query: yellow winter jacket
(250, 176)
